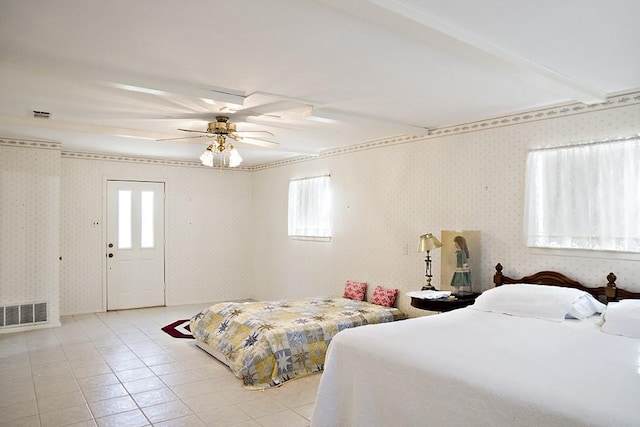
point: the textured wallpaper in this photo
(226, 235)
(208, 220)
(30, 226)
(385, 198)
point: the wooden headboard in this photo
(607, 293)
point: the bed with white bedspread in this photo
(470, 367)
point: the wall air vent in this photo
(41, 114)
(23, 314)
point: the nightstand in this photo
(445, 304)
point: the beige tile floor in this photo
(120, 369)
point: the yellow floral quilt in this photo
(269, 342)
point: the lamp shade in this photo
(207, 157)
(428, 242)
(234, 158)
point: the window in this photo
(310, 207)
(584, 197)
(124, 219)
(146, 219)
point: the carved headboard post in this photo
(611, 290)
(497, 278)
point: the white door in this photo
(135, 244)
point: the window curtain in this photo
(584, 197)
(309, 207)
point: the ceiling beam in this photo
(382, 12)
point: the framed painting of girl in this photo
(460, 266)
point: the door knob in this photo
(110, 255)
(110, 245)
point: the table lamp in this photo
(428, 242)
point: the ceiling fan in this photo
(222, 129)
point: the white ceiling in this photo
(328, 73)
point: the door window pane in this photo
(124, 219)
(146, 219)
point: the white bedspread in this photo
(472, 368)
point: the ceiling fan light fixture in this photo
(234, 158)
(224, 131)
(222, 142)
(207, 157)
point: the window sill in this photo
(586, 253)
(311, 238)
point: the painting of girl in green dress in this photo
(461, 279)
(461, 255)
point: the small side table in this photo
(444, 304)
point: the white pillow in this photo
(622, 318)
(538, 301)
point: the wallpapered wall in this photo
(30, 226)
(226, 235)
(384, 198)
(207, 231)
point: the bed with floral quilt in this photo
(266, 343)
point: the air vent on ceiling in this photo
(41, 114)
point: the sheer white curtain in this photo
(310, 207)
(584, 197)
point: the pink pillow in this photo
(384, 297)
(355, 290)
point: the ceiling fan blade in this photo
(329, 115)
(195, 131)
(136, 115)
(255, 131)
(181, 137)
(263, 103)
(190, 116)
(260, 142)
(275, 107)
